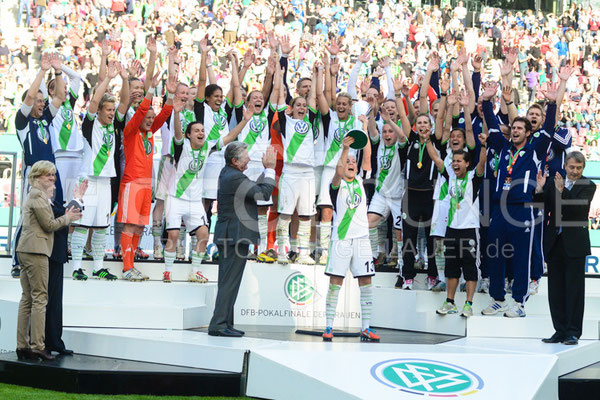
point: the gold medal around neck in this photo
(457, 206)
(419, 165)
(496, 174)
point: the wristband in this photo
(509, 103)
(170, 96)
(176, 64)
(443, 94)
(57, 73)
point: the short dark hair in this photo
(523, 120)
(460, 152)
(188, 129)
(211, 89)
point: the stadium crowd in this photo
(139, 98)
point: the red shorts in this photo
(135, 202)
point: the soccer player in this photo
(100, 161)
(512, 218)
(297, 182)
(350, 246)
(461, 241)
(135, 192)
(184, 200)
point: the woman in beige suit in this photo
(33, 250)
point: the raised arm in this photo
(327, 77)
(151, 46)
(124, 95)
(433, 65)
(366, 160)
(399, 87)
(234, 96)
(465, 102)
(564, 75)
(435, 157)
(204, 49)
(233, 134)
(274, 100)
(363, 58)
(106, 50)
(248, 61)
(35, 85)
(178, 107)
(508, 102)
(100, 90)
(341, 165)
(334, 68)
(270, 73)
(323, 105)
(468, 82)
(480, 169)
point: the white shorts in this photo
(350, 253)
(297, 192)
(326, 178)
(166, 169)
(439, 218)
(69, 169)
(382, 205)
(255, 169)
(212, 170)
(191, 212)
(318, 173)
(96, 204)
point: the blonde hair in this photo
(40, 168)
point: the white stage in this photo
(496, 357)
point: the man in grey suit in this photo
(237, 228)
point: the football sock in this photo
(325, 235)
(157, 229)
(374, 238)
(366, 304)
(331, 304)
(196, 261)
(263, 227)
(78, 240)
(283, 235)
(98, 248)
(128, 250)
(303, 237)
(169, 260)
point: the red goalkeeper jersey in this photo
(139, 145)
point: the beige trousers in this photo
(32, 308)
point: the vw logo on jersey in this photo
(301, 127)
(386, 162)
(551, 155)
(196, 165)
(220, 120)
(353, 202)
(492, 164)
(336, 135)
(257, 125)
(108, 139)
(416, 146)
(67, 114)
(148, 147)
(453, 191)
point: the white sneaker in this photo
(305, 259)
(534, 286)
(133, 275)
(447, 308)
(283, 259)
(484, 285)
(467, 311)
(158, 252)
(495, 308)
(323, 258)
(517, 310)
(408, 284)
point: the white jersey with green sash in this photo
(66, 136)
(334, 132)
(297, 137)
(256, 133)
(462, 194)
(350, 220)
(187, 181)
(99, 155)
(390, 180)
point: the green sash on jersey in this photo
(337, 144)
(104, 152)
(256, 126)
(67, 125)
(190, 174)
(350, 211)
(296, 141)
(385, 171)
(457, 198)
(187, 117)
(215, 131)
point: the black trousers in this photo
(418, 206)
(54, 308)
(566, 290)
(232, 261)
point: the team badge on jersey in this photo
(148, 147)
(551, 155)
(301, 127)
(386, 162)
(336, 135)
(353, 200)
(67, 114)
(455, 192)
(196, 165)
(257, 125)
(220, 120)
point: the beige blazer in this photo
(39, 224)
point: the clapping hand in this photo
(270, 158)
(541, 181)
(80, 189)
(559, 182)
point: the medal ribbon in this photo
(335, 144)
(513, 159)
(67, 126)
(43, 131)
(421, 152)
(353, 189)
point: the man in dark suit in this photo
(566, 245)
(237, 228)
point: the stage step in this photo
(580, 384)
(110, 376)
(415, 310)
(122, 304)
